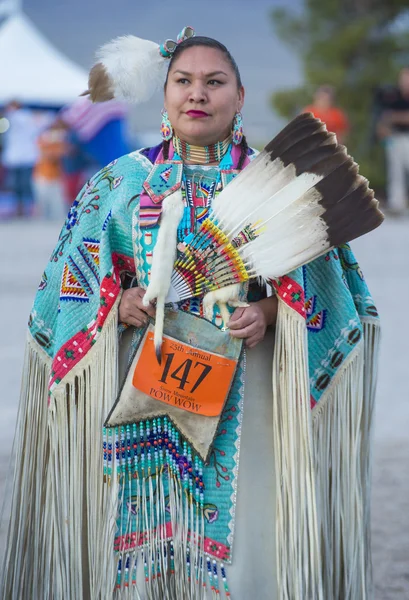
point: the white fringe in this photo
(63, 521)
(372, 339)
(342, 426)
(61, 533)
(22, 576)
(298, 555)
(323, 469)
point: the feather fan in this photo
(300, 197)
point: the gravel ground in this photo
(383, 255)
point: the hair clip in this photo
(168, 47)
(185, 34)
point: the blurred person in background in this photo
(393, 128)
(20, 154)
(99, 128)
(47, 176)
(323, 107)
(3, 192)
(77, 166)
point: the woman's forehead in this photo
(202, 60)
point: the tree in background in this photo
(355, 46)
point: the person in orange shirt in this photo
(323, 108)
(47, 176)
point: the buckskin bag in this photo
(190, 386)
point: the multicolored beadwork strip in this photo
(209, 261)
(201, 155)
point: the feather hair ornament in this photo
(130, 68)
(300, 197)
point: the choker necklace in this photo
(201, 155)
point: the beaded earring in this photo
(166, 127)
(237, 131)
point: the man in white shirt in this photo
(393, 126)
(20, 154)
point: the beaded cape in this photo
(324, 374)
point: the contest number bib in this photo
(189, 378)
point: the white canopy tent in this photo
(32, 71)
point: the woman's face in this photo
(202, 96)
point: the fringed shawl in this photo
(63, 522)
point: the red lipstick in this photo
(196, 114)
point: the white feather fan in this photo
(300, 197)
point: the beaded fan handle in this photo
(210, 260)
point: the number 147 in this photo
(182, 372)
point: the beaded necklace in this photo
(198, 190)
(201, 155)
(188, 221)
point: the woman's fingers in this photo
(135, 317)
(236, 316)
(245, 332)
(250, 315)
(249, 324)
(131, 309)
(150, 309)
(253, 341)
(140, 320)
(240, 321)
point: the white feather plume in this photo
(134, 66)
(288, 208)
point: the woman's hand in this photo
(251, 323)
(131, 309)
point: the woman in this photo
(87, 524)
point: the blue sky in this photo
(79, 27)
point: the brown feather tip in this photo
(350, 209)
(100, 85)
(305, 142)
(299, 128)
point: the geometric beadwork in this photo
(317, 322)
(166, 174)
(310, 306)
(205, 189)
(89, 251)
(93, 248)
(209, 260)
(71, 289)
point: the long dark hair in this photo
(208, 43)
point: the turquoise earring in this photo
(166, 127)
(237, 132)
